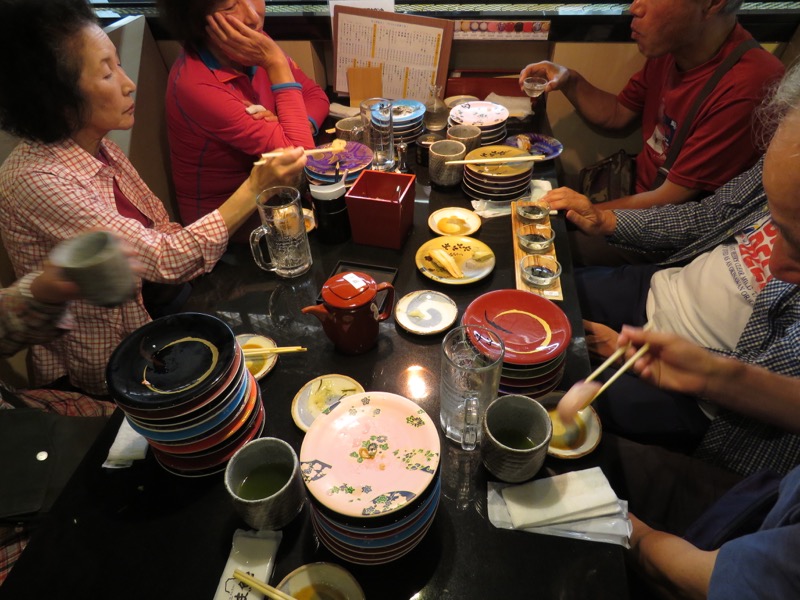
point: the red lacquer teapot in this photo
(349, 312)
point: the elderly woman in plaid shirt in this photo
(65, 177)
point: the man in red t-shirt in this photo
(684, 42)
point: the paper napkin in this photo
(128, 446)
(493, 208)
(568, 497)
(612, 529)
(341, 111)
(518, 106)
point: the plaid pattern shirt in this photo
(682, 231)
(771, 338)
(52, 192)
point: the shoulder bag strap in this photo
(712, 82)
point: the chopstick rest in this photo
(254, 553)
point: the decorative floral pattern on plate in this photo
(372, 455)
(536, 143)
(454, 259)
(479, 113)
(355, 156)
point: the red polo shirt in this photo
(213, 141)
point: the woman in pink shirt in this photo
(232, 94)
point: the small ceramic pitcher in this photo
(349, 312)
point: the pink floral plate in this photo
(371, 456)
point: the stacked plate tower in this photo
(491, 118)
(182, 383)
(371, 466)
(329, 167)
(536, 334)
(499, 182)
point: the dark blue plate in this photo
(536, 143)
(170, 361)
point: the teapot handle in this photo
(389, 299)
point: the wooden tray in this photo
(553, 292)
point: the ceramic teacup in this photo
(349, 129)
(97, 264)
(440, 152)
(469, 135)
(264, 482)
(516, 434)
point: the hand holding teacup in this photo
(99, 266)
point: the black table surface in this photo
(143, 533)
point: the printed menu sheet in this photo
(412, 51)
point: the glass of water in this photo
(376, 118)
(283, 226)
(472, 359)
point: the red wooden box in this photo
(381, 208)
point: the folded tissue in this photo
(518, 106)
(493, 208)
(128, 446)
(579, 504)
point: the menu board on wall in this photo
(413, 52)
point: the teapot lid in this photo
(348, 290)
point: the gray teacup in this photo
(349, 129)
(96, 263)
(469, 135)
(440, 152)
(275, 492)
(516, 434)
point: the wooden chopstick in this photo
(278, 350)
(628, 363)
(260, 586)
(311, 152)
(610, 360)
(495, 161)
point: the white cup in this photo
(96, 263)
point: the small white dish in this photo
(587, 420)
(454, 221)
(258, 365)
(321, 580)
(321, 395)
(425, 312)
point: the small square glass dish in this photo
(539, 271)
(535, 211)
(535, 238)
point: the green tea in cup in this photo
(263, 481)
